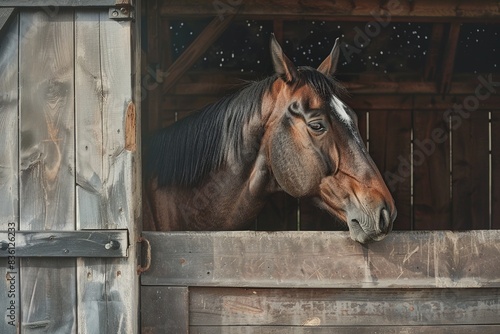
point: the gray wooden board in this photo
(5, 14)
(164, 310)
(91, 201)
(324, 259)
(470, 329)
(106, 170)
(47, 192)
(9, 190)
(343, 307)
(121, 174)
(64, 244)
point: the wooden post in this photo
(9, 190)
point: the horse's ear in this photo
(329, 65)
(282, 65)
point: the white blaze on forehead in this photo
(340, 107)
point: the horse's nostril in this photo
(384, 223)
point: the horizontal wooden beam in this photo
(52, 5)
(223, 82)
(468, 329)
(437, 259)
(88, 243)
(336, 308)
(335, 10)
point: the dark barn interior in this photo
(412, 72)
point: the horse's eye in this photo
(294, 108)
(317, 126)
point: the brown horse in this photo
(214, 169)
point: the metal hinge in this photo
(121, 13)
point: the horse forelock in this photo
(324, 86)
(185, 153)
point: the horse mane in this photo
(185, 152)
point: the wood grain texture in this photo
(66, 244)
(390, 143)
(91, 202)
(324, 259)
(121, 172)
(48, 289)
(5, 15)
(106, 169)
(431, 161)
(470, 172)
(164, 310)
(9, 166)
(418, 10)
(460, 329)
(340, 307)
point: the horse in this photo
(291, 132)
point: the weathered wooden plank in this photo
(9, 166)
(390, 143)
(164, 310)
(324, 259)
(495, 169)
(431, 171)
(47, 192)
(65, 243)
(53, 7)
(448, 61)
(470, 171)
(90, 201)
(434, 52)
(449, 329)
(5, 16)
(283, 9)
(221, 82)
(121, 171)
(184, 104)
(339, 307)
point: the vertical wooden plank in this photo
(164, 310)
(47, 192)
(90, 203)
(495, 169)
(470, 170)
(9, 191)
(390, 143)
(121, 165)
(431, 161)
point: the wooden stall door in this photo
(69, 161)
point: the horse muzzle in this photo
(365, 227)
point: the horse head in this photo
(314, 148)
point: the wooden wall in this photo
(321, 282)
(66, 116)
